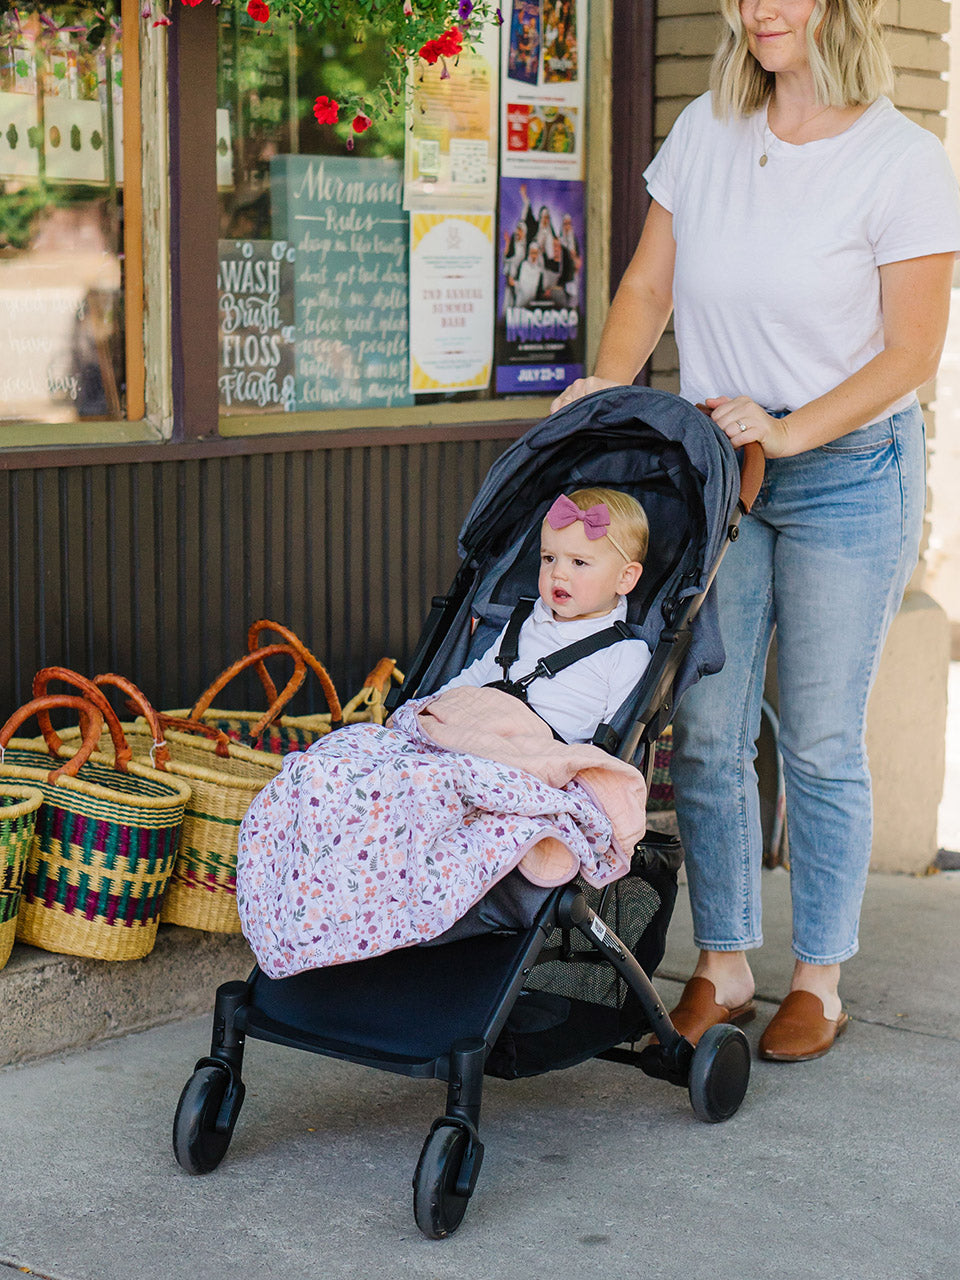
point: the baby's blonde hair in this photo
(628, 520)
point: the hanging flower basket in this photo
(424, 32)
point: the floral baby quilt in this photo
(382, 837)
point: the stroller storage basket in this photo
(574, 1004)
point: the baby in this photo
(592, 545)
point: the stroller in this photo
(574, 984)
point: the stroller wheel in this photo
(198, 1144)
(444, 1179)
(719, 1073)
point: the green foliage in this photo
(19, 214)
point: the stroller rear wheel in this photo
(445, 1177)
(201, 1134)
(719, 1073)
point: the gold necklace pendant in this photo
(763, 160)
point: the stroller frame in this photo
(479, 978)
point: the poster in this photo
(541, 293)
(543, 66)
(450, 156)
(342, 215)
(256, 333)
(451, 301)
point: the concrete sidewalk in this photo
(844, 1168)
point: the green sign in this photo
(344, 219)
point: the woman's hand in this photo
(743, 420)
(582, 387)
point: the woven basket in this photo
(223, 779)
(660, 795)
(106, 839)
(18, 818)
(269, 730)
(369, 705)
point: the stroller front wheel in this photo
(202, 1126)
(444, 1178)
(719, 1073)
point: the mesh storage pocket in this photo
(571, 967)
(574, 1004)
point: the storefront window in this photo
(61, 214)
(436, 257)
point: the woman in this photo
(805, 232)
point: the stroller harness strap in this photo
(549, 666)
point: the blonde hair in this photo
(848, 59)
(628, 520)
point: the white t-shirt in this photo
(578, 698)
(776, 285)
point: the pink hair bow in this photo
(564, 511)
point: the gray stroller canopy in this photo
(652, 444)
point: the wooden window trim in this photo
(132, 213)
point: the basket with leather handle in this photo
(106, 834)
(269, 730)
(223, 778)
(369, 705)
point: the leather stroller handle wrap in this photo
(138, 701)
(197, 726)
(314, 663)
(251, 660)
(122, 751)
(752, 469)
(751, 474)
(91, 727)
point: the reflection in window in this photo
(61, 209)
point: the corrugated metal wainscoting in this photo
(156, 569)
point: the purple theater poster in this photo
(541, 261)
(523, 57)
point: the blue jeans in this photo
(824, 558)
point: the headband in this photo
(596, 520)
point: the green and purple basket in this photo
(18, 818)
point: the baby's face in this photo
(580, 577)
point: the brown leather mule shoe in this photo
(697, 1009)
(799, 1030)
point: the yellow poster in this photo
(451, 301)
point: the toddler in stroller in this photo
(381, 837)
(574, 983)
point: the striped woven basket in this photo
(223, 779)
(18, 818)
(369, 705)
(269, 730)
(660, 796)
(105, 843)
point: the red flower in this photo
(451, 43)
(430, 52)
(258, 11)
(447, 45)
(192, 3)
(361, 123)
(162, 21)
(325, 109)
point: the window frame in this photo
(134, 427)
(172, 378)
